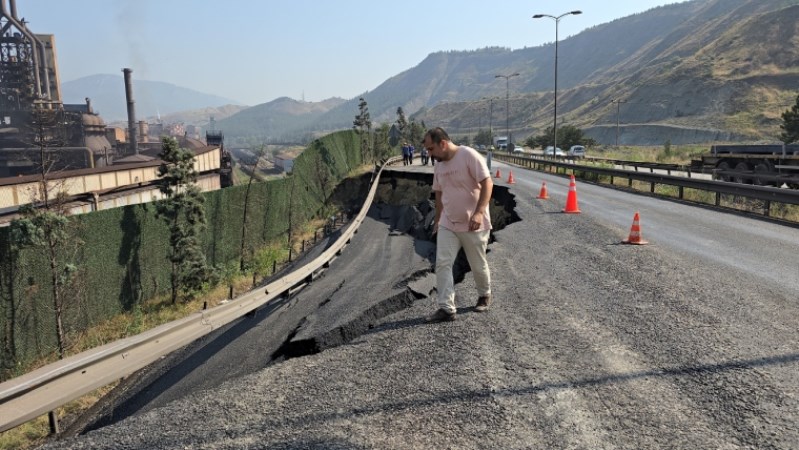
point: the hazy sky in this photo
(254, 51)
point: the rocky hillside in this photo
(696, 71)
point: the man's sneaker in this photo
(483, 303)
(442, 315)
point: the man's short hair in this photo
(437, 135)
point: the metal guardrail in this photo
(765, 193)
(40, 391)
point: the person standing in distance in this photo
(463, 187)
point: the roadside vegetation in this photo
(150, 314)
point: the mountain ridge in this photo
(717, 69)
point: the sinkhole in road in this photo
(406, 204)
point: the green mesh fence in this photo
(123, 256)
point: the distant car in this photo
(517, 148)
(557, 151)
(576, 151)
(481, 147)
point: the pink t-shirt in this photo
(458, 180)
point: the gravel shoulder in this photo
(589, 344)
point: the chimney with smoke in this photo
(132, 128)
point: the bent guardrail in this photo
(40, 391)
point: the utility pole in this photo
(507, 104)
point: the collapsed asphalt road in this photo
(589, 344)
(388, 268)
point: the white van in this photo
(576, 151)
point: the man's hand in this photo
(435, 228)
(476, 221)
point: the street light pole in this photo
(555, 121)
(507, 104)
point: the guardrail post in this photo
(718, 198)
(680, 192)
(767, 208)
(652, 188)
(289, 253)
(54, 429)
(274, 266)
(303, 245)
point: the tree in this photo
(790, 125)
(258, 155)
(182, 209)
(483, 137)
(402, 124)
(363, 125)
(44, 223)
(568, 135)
(416, 132)
(382, 142)
(49, 228)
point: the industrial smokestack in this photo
(133, 145)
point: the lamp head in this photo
(574, 13)
(538, 16)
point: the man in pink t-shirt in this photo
(463, 186)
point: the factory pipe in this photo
(43, 68)
(43, 65)
(34, 42)
(133, 146)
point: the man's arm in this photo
(486, 188)
(439, 208)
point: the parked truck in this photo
(766, 164)
(501, 142)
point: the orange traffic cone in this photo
(635, 233)
(497, 175)
(571, 199)
(510, 177)
(543, 194)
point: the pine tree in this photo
(182, 209)
(363, 124)
(402, 124)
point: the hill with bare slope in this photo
(695, 71)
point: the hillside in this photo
(696, 71)
(107, 93)
(283, 120)
(689, 72)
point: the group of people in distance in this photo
(407, 155)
